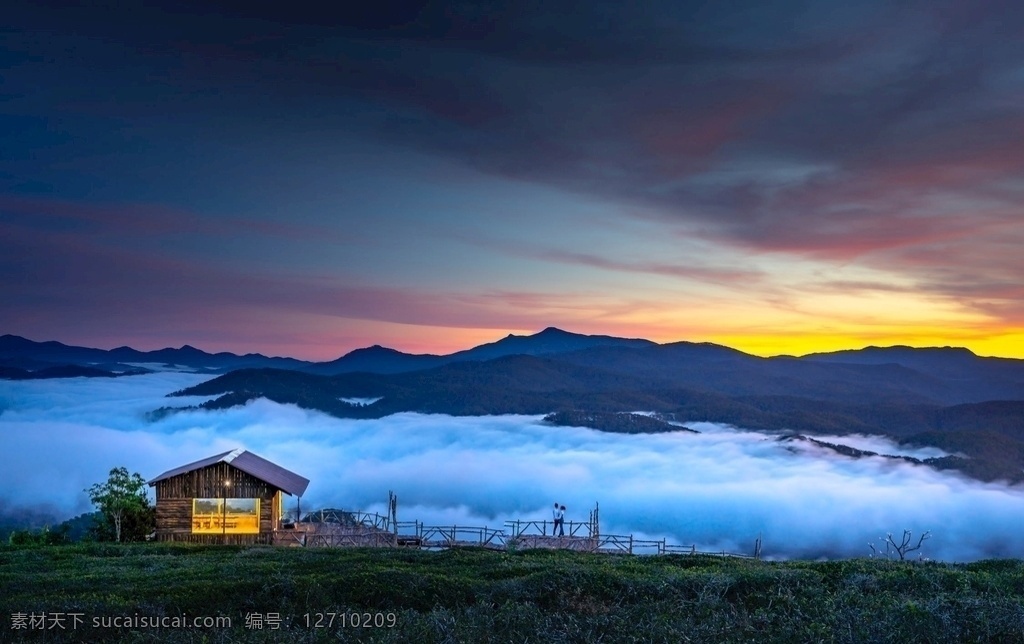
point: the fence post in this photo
(393, 510)
(630, 544)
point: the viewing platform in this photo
(341, 528)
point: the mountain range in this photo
(26, 355)
(944, 396)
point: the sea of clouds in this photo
(719, 489)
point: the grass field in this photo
(483, 596)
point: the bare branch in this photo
(904, 546)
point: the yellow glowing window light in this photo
(225, 516)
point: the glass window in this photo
(225, 516)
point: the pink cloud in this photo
(681, 136)
(66, 286)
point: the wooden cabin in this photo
(236, 497)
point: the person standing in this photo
(557, 515)
(561, 521)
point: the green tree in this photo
(42, 537)
(123, 503)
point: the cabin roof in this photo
(285, 480)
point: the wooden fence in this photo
(343, 528)
(546, 528)
(627, 544)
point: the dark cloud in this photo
(887, 134)
(613, 99)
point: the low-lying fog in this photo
(718, 489)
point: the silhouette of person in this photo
(557, 515)
(561, 521)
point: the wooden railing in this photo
(455, 536)
(349, 517)
(627, 544)
(341, 528)
(517, 528)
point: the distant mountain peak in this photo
(543, 333)
(549, 341)
(897, 349)
(907, 347)
(379, 348)
(375, 350)
(553, 330)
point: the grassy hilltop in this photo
(474, 596)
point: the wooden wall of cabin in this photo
(208, 483)
(174, 498)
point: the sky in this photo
(781, 177)
(716, 490)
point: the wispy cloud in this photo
(135, 222)
(687, 271)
